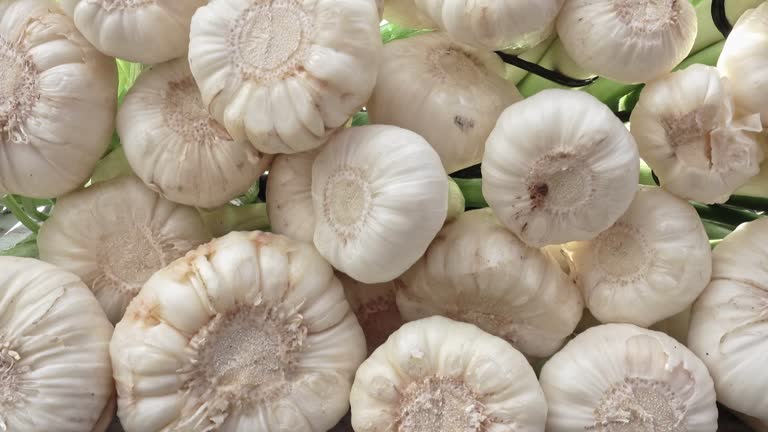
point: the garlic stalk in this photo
(405, 13)
(555, 59)
(375, 307)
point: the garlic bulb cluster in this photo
(54, 351)
(285, 74)
(729, 327)
(250, 332)
(52, 82)
(439, 375)
(619, 377)
(114, 235)
(375, 307)
(477, 271)
(289, 195)
(447, 92)
(559, 167)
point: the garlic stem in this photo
(456, 200)
(473, 192)
(11, 204)
(228, 218)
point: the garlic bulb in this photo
(289, 196)
(628, 40)
(447, 92)
(142, 31)
(439, 375)
(405, 13)
(52, 83)
(651, 264)
(175, 147)
(619, 377)
(250, 332)
(688, 130)
(114, 235)
(728, 324)
(54, 350)
(478, 272)
(375, 308)
(285, 74)
(380, 196)
(564, 179)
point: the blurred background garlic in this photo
(289, 196)
(375, 307)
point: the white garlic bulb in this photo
(405, 14)
(250, 332)
(439, 375)
(175, 147)
(142, 31)
(54, 350)
(688, 130)
(285, 74)
(52, 83)
(289, 196)
(619, 377)
(478, 272)
(375, 307)
(559, 167)
(628, 40)
(114, 235)
(729, 331)
(447, 92)
(651, 264)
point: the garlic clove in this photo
(447, 92)
(115, 235)
(559, 167)
(439, 375)
(406, 14)
(289, 196)
(375, 307)
(44, 150)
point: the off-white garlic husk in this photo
(54, 350)
(52, 84)
(651, 264)
(142, 31)
(380, 196)
(176, 148)
(619, 377)
(447, 92)
(729, 324)
(628, 40)
(114, 235)
(439, 375)
(375, 307)
(285, 74)
(250, 332)
(559, 167)
(406, 14)
(689, 131)
(289, 196)
(478, 272)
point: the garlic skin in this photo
(478, 272)
(406, 14)
(250, 332)
(629, 41)
(289, 196)
(439, 375)
(562, 180)
(52, 83)
(380, 196)
(176, 148)
(688, 130)
(114, 235)
(447, 92)
(285, 74)
(54, 351)
(133, 29)
(728, 325)
(619, 377)
(375, 307)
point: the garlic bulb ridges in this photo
(289, 196)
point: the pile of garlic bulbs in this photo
(383, 215)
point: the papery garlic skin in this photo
(439, 375)
(651, 264)
(289, 196)
(688, 130)
(406, 14)
(54, 351)
(114, 235)
(478, 272)
(380, 196)
(176, 148)
(447, 92)
(559, 167)
(141, 31)
(729, 331)
(375, 307)
(285, 74)
(250, 332)
(52, 83)
(619, 377)
(629, 41)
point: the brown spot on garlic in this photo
(463, 123)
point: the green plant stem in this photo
(717, 230)
(473, 192)
(228, 218)
(30, 208)
(11, 204)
